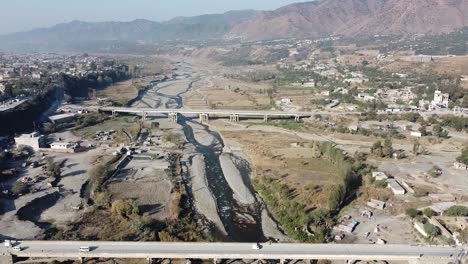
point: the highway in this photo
(70, 249)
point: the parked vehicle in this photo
(256, 246)
(84, 249)
(17, 248)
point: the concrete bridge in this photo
(204, 115)
(219, 251)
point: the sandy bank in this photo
(234, 178)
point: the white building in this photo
(62, 145)
(416, 134)
(440, 99)
(34, 140)
(460, 166)
(376, 204)
(395, 186)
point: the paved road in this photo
(70, 249)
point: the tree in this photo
(124, 208)
(428, 212)
(431, 230)
(416, 146)
(53, 169)
(412, 212)
(376, 149)
(440, 132)
(19, 188)
(102, 200)
(387, 149)
(423, 130)
(463, 158)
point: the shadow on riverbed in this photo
(33, 210)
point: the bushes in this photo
(19, 188)
(412, 212)
(431, 230)
(124, 208)
(172, 138)
(463, 158)
(290, 214)
(457, 210)
(428, 212)
(381, 184)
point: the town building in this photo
(62, 145)
(62, 118)
(460, 166)
(395, 186)
(441, 197)
(376, 204)
(440, 208)
(440, 99)
(34, 140)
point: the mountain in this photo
(78, 34)
(309, 19)
(353, 17)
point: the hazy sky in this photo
(20, 15)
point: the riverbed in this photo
(219, 183)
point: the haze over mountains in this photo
(301, 20)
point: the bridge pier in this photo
(173, 117)
(265, 118)
(203, 118)
(114, 113)
(234, 118)
(297, 118)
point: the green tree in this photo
(428, 212)
(412, 212)
(423, 130)
(102, 200)
(463, 158)
(19, 188)
(431, 230)
(416, 147)
(376, 149)
(53, 169)
(440, 132)
(457, 210)
(387, 150)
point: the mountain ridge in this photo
(311, 19)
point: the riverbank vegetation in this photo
(301, 223)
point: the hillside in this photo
(302, 20)
(351, 17)
(79, 35)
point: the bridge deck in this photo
(70, 249)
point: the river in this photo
(242, 223)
